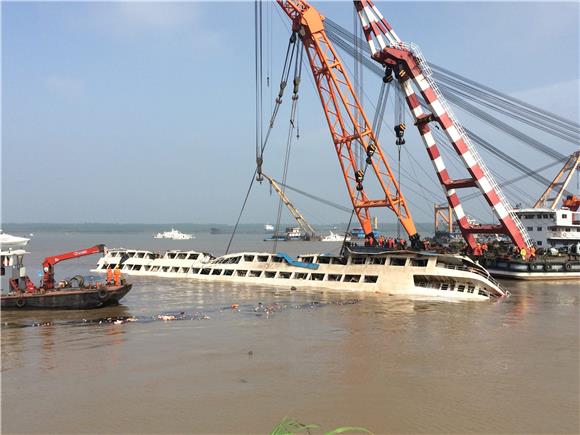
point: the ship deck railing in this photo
(469, 269)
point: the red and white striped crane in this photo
(414, 75)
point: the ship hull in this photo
(389, 272)
(534, 271)
(66, 299)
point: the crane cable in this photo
(291, 128)
(257, 175)
(337, 32)
(505, 128)
(290, 52)
(380, 108)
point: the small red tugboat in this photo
(73, 294)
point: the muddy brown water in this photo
(390, 364)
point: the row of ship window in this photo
(539, 216)
(393, 261)
(258, 273)
(425, 282)
(169, 255)
(552, 229)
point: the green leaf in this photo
(289, 427)
(348, 429)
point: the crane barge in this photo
(74, 293)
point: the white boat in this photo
(334, 237)
(8, 241)
(268, 228)
(551, 228)
(174, 235)
(409, 273)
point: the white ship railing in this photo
(470, 269)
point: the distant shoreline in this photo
(251, 228)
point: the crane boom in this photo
(306, 227)
(413, 72)
(348, 123)
(569, 167)
(49, 262)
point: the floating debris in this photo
(260, 309)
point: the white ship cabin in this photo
(551, 228)
(390, 272)
(393, 272)
(11, 267)
(139, 262)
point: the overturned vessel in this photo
(396, 272)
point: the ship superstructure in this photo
(409, 273)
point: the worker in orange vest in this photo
(117, 275)
(533, 253)
(477, 250)
(109, 275)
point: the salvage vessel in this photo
(20, 293)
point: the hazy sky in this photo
(144, 112)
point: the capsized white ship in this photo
(409, 273)
(174, 235)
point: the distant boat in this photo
(357, 233)
(334, 237)
(8, 241)
(294, 233)
(276, 237)
(174, 235)
(291, 234)
(268, 228)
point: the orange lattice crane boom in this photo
(348, 123)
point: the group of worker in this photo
(383, 242)
(480, 250)
(526, 254)
(114, 276)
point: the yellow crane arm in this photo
(569, 167)
(306, 227)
